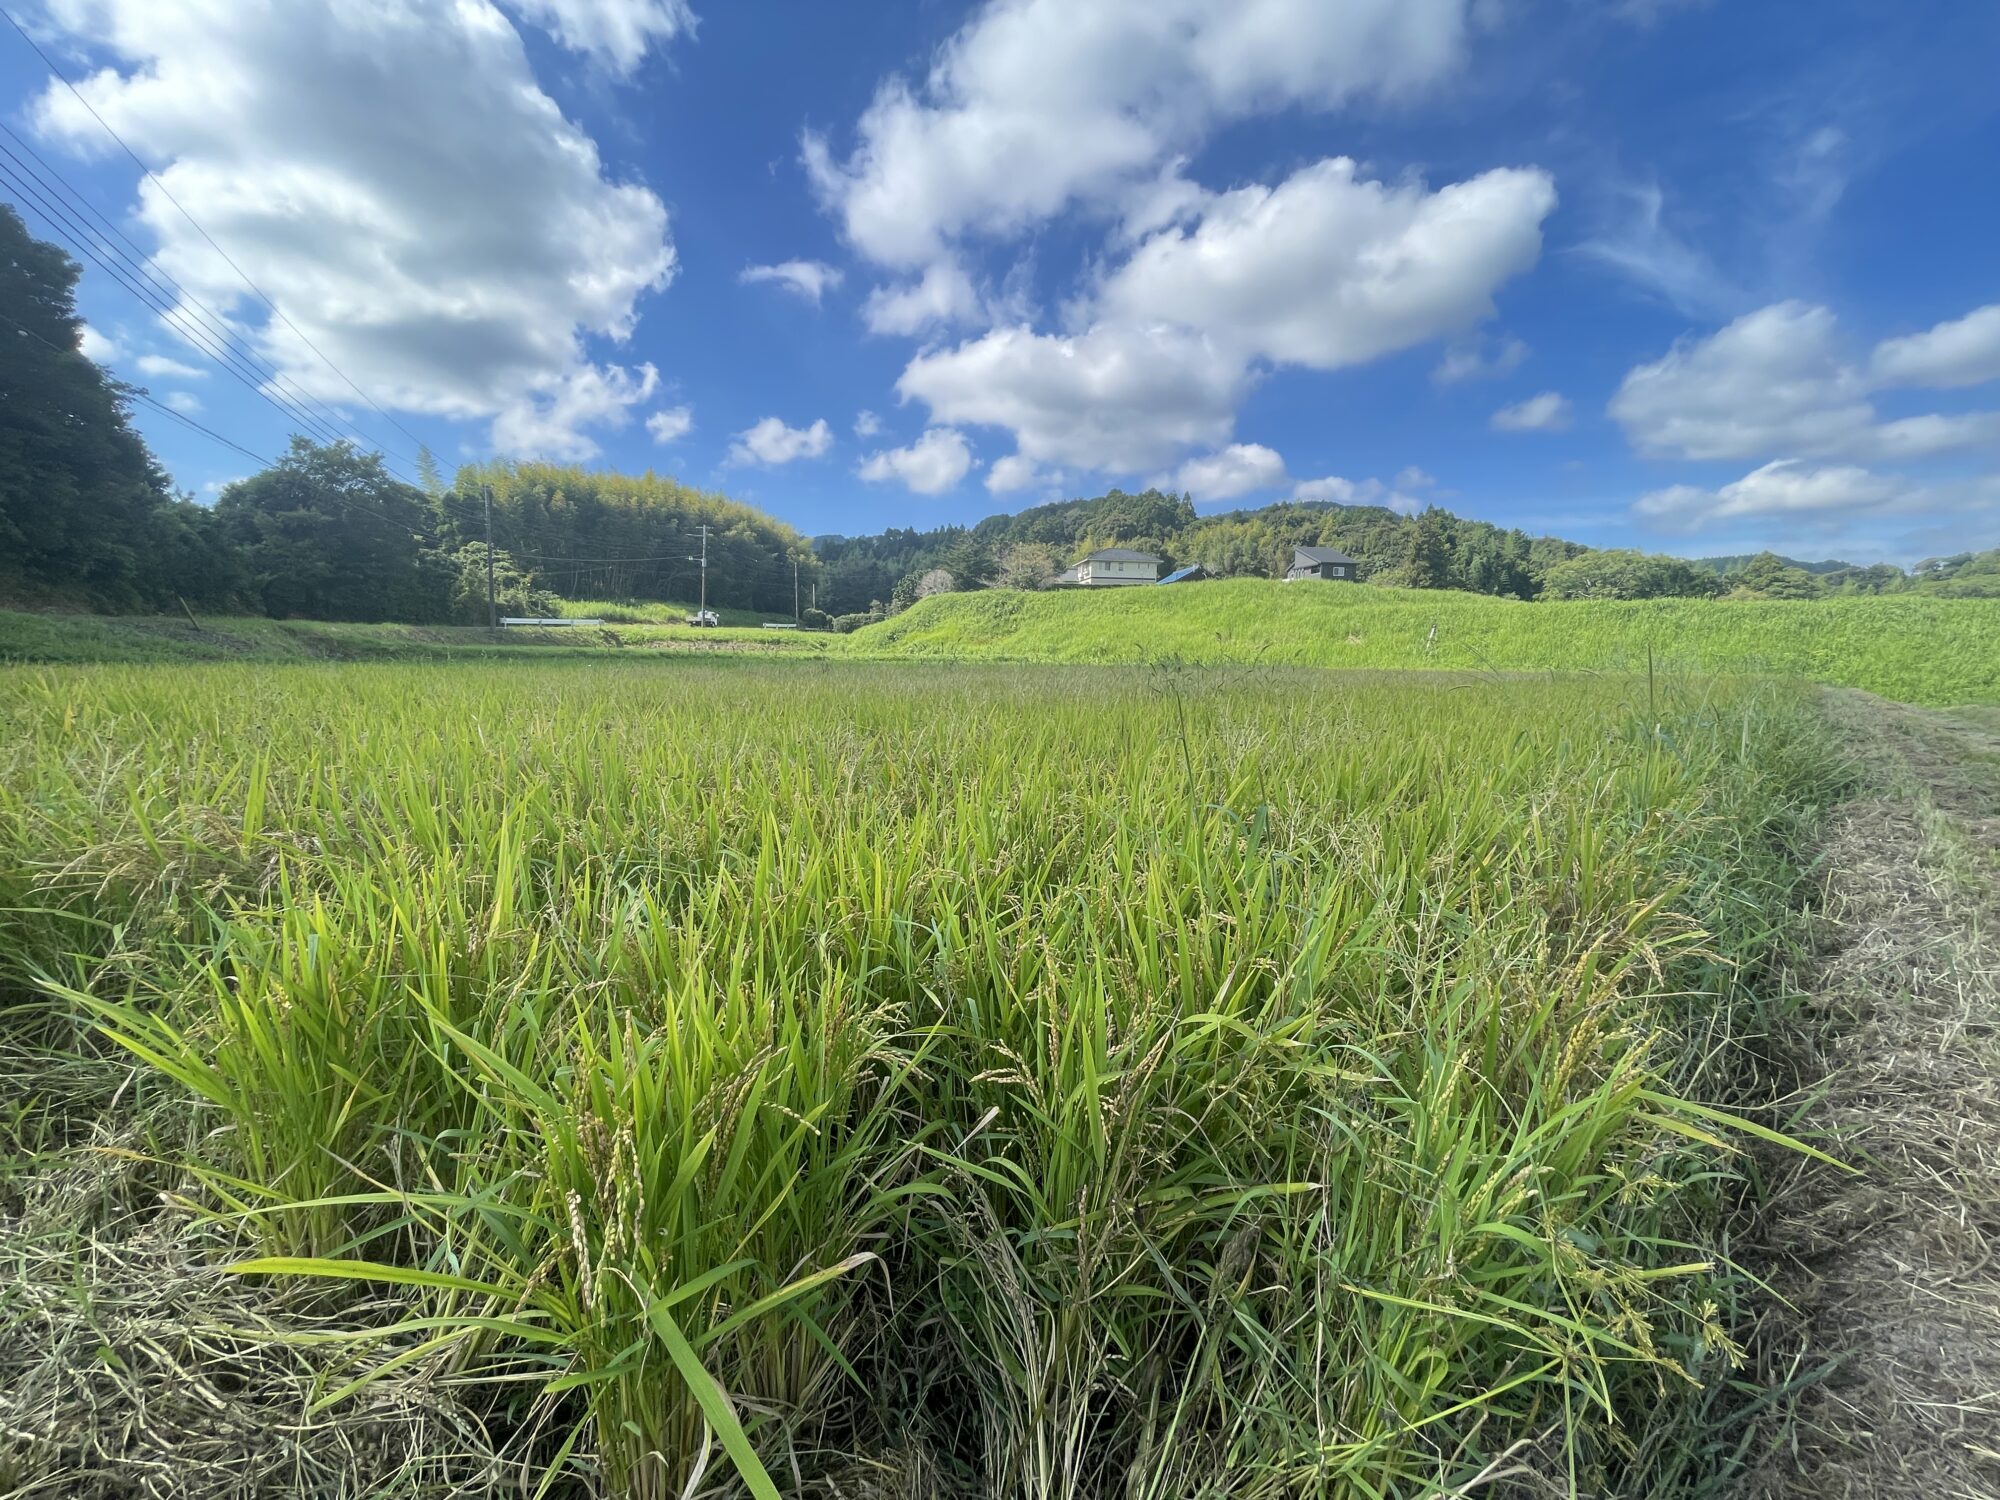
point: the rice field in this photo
(832, 1078)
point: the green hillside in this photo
(1908, 647)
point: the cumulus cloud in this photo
(670, 424)
(867, 424)
(1005, 475)
(942, 296)
(1324, 270)
(1115, 398)
(161, 368)
(1028, 110)
(549, 420)
(617, 33)
(185, 402)
(1778, 382)
(934, 463)
(1548, 412)
(392, 238)
(1965, 351)
(1475, 358)
(1236, 470)
(1785, 489)
(772, 442)
(1329, 269)
(97, 346)
(806, 279)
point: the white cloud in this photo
(934, 463)
(392, 237)
(670, 424)
(1329, 269)
(1548, 412)
(1236, 470)
(1111, 398)
(1033, 105)
(184, 402)
(807, 279)
(1468, 359)
(97, 346)
(1785, 489)
(1636, 241)
(1778, 382)
(867, 424)
(1965, 351)
(1324, 270)
(772, 442)
(617, 33)
(1414, 478)
(941, 297)
(162, 368)
(1011, 473)
(549, 421)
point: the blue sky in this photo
(1691, 277)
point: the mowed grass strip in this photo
(1911, 648)
(1023, 1082)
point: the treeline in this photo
(87, 517)
(1027, 550)
(1433, 549)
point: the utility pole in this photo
(492, 610)
(704, 570)
(795, 589)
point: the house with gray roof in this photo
(1320, 562)
(1115, 565)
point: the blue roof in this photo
(1180, 574)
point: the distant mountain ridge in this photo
(1736, 562)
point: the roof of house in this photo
(1120, 554)
(1320, 555)
(1180, 575)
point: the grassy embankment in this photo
(1913, 649)
(168, 638)
(1028, 1083)
(1922, 650)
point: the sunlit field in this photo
(903, 1079)
(1913, 648)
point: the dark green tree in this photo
(1430, 564)
(327, 533)
(79, 491)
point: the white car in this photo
(703, 617)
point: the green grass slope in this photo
(47, 638)
(1915, 649)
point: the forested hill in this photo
(1431, 549)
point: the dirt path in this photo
(1894, 1270)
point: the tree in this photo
(328, 534)
(1769, 576)
(1430, 564)
(514, 592)
(79, 492)
(936, 581)
(1620, 574)
(1027, 565)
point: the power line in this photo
(66, 229)
(188, 308)
(167, 193)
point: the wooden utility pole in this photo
(795, 589)
(704, 570)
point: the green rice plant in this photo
(1053, 1082)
